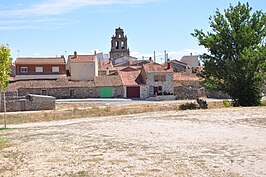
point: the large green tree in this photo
(236, 58)
(5, 63)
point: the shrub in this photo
(202, 104)
(263, 103)
(226, 103)
(189, 106)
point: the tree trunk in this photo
(0, 99)
(4, 109)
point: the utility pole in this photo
(165, 56)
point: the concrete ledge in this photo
(161, 98)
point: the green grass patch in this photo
(3, 143)
(3, 129)
(263, 103)
(226, 103)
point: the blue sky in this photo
(39, 28)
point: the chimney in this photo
(107, 71)
(75, 54)
(168, 65)
(190, 54)
(62, 56)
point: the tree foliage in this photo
(5, 63)
(5, 70)
(236, 58)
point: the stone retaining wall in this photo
(28, 103)
(67, 93)
(189, 90)
(161, 98)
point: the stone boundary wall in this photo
(68, 93)
(189, 90)
(28, 103)
(161, 98)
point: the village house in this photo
(100, 87)
(178, 66)
(82, 67)
(132, 83)
(40, 68)
(158, 79)
(187, 86)
(192, 61)
(150, 80)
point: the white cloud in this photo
(57, 7)
(16, 27)
(23, 21)
(47, 23)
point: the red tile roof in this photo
(155, 67)
(105, 66)
(33, 61)
(186, 77)
(60, 83)
(108, 81)
(101, 81)
(129, 78)
(178, 62)
(82, 58)
(139, 62)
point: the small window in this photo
(24, 69)
(156, 78)
(38, 69)
(160, 88)
(72, 93)
(44, 92)
(55, 69)
(163, 78)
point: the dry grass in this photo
(73, 111)
(69, 111)
(63, 106)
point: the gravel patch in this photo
(227, 142)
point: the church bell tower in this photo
(119, 47)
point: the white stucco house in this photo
(82, 67)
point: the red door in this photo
(155, 90)
(133, 92)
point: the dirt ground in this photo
(228, 142)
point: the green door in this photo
(106, 92)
